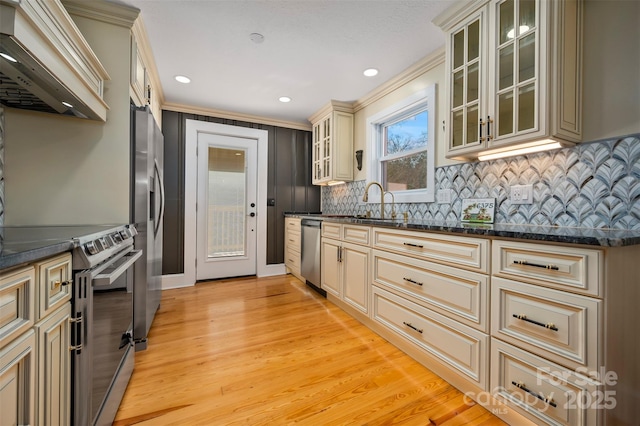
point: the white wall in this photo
(64, 170)
(611, 69)
(435, 76)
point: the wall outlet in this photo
(443, 196)
(521, 194)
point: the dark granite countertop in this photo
(588, 236)
(24, 244)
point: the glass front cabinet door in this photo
(332, 150)
(513, 73)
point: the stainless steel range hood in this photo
(45, 63)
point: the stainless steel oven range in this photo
(102, 323)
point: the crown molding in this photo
(209, 112)
(108, 12)
(456, 13)
(414, 71)
(332, 105)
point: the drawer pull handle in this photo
(411, 281)
(537, 265)
(549, 325)
(57, 284)
(413, 245)
(408, 324)
(546, 399)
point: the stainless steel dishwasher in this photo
(310, 253)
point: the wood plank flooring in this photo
(270, 351)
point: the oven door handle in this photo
(108, 278)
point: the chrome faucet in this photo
(365, 197)
(393, 203)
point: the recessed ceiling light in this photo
(8, 57)
(183, 79)
(370, 72)
(67, 104)
(284, 99)
(257, 38)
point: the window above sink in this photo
(402, 141)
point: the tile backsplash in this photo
(592, 185)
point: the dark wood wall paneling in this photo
(288, 182)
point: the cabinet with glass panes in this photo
(513, 74)
(332, 147)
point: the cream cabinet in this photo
(547, 331)
(332, 144)
(292, 241)
(537, 332)
(35, 362)
(345, 264)
(17, 299)
(432, 292)
(18, 380)
(145, 85)
(513, 74)
(54, 368)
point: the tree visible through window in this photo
(404, 160)
(402, 141)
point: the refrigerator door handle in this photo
(158, 220)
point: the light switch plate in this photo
(521, 194)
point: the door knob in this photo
(253, 204)
(252, 214)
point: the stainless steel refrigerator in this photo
(147, 215)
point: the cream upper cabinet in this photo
(513, 74)
(145, 88)
(332, 152)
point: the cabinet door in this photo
(517, 91)
(355, 275)
(466, 69)
(331, 267)
(54, 368)
(18, 381)
(322, 149)
(341, 149)
(316, 153)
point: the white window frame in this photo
(417, 101)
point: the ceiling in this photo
(313, 50)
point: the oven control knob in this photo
(116, 238)
(91, 247)
(132, 230)
(124, 235)
(106, 242)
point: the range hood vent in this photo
(45, 63)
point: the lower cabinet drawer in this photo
(293, 239)
(54, 284)
(544, 391)
(459, 294)
(460, 347)
(292, 259)
(465, 252)
(17, 303)
(558, 325)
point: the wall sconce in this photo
(359, 159)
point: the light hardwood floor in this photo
(270, 351)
